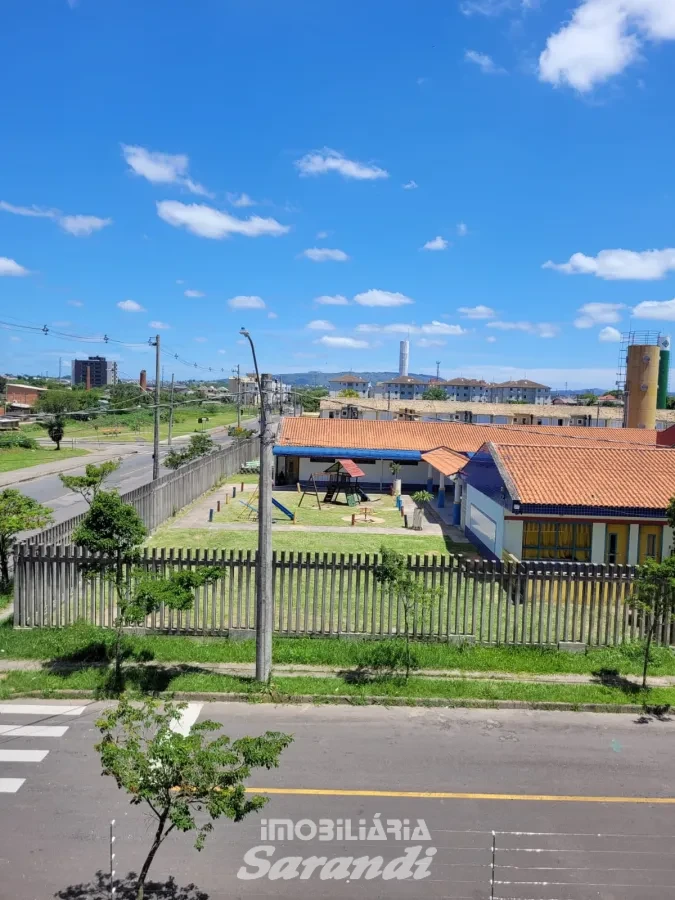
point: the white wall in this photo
(598, 540)
(667, 548)
(374, 471)
(513, 537)
(491, 509)
(633, 545)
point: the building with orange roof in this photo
(430, 454)
(598, 503)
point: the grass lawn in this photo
(307, 541)
(382, 507)
(149, 679)
(91, 644)
(19, 458)
(6, 598)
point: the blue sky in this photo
(493, 176)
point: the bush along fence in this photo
(158, 500)
(337, 595)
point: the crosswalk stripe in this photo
(188, 717)
(34, 730)
(22, 755)
(28, 709)
(10, 785)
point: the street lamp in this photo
(264, 623)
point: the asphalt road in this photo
(572, 799)
(135, 470)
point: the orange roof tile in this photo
(305, 431)
(447, 462)
(609, 476)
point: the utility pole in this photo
(170, 413)
(438, 370)
(59, 368)
(238, 396)
(155, 443)
(264, 623)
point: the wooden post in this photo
(218, 506)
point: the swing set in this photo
(343, 476)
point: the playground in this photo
(291, 507)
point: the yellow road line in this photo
(452, 795)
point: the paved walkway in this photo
(247, 670)
(9, 479)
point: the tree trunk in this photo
(652, 626)
(58, 446)
(140, 883)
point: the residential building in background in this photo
(244, 389)
(101, 371)
(467, 389)
(403, 387)
(22, 397)
(348, 382)
(522, 391)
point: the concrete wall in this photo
(598, 540)
(513, 537)
(375, 471)
(667, 548)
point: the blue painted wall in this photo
(482, 473)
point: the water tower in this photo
(403, 357)
(643, 376)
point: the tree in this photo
(17, 513)
(653, 594)
(178, 777)
(422, 497)
(199, 445)
(434, 393)
(349, 392)
(392, 572)
(89, 484)
(55, 430)
(310, 397)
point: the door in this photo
(651, 538)
(616, 545)
(292, 469)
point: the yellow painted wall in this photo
(622, 532)
(645, 531)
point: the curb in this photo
(345, 700)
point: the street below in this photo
(581, 805)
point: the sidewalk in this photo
(247, 670)
(9, 479)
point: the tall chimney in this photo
(87, 381)
(403, 356)
(144, 380)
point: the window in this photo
(566, 541)
(483, 527)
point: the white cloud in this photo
(160, 326)
(192, 293)
(180, 281)
(603, 38)
(410, 185)
(130, 306)
(75, 303)
(240, 200)
(434, 327)
(540, 329)
(321, 235)
(655, 309)
(222, 352)
(345, 343)
(494, 7)
(12, 268)
(161, 168)
(477, 312)
(462, 229)
(272, 315)
(323, 254)
(620, 265)
(438, 243)
(37, 212)
(77, 225)
(321, 325)
(205, 221)
(382, 298)
(430, 342)
(201, 340)
(591, 314)
(83, 226)
(244, 302)
(15, 339)
(491, 339)
(335, 300)
(609, 335)
(319, 162)
(484, 62)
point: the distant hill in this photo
(321, 379)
